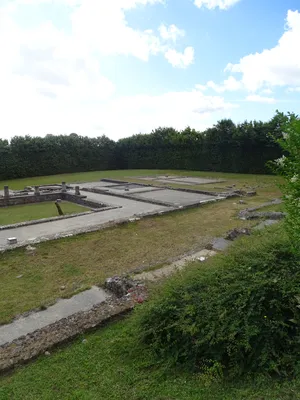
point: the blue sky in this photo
(120, 67)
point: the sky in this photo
(122, 67)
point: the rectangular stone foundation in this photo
(32, 199)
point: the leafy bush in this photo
(289, 167)
(240, 310)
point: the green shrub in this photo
(288, 166)
(239, 310)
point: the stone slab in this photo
(62, 309)
(155, 177)
(174, 197)
(132, 190)
(127, 186)
(221, 244)
(98, 184)
(188, 180)
(266, 223)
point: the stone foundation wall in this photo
(29, 199)
(31, 345)
(32, 199)
(81, 200)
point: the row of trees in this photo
(226, 147)
(34, 156)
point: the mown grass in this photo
(108, 366)
(85, 260)
(29, 212)
(230, 178)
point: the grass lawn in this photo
(265, 180)
(29, 212)
(108, 367)
(81, 261)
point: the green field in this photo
(82, 261)
(30, 212)
(108, 366)
(230, 178)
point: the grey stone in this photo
(266, 223)
(77, 191)
(220, 244)
(30, 249)
(119, 286)
(251, 193)
(268, 215)
(6, 191)
(12, 240)
(236, 232)
(63, 187)
(36, 191)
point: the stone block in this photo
(6, 191)
(12, 240)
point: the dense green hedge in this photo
(225, 147)
(240, 311)
(34, 156)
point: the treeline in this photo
(226, 147)
(36, 156)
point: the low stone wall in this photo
(123, 295)
(81, 200)
(29, 199)
(32, 199)
(31, 345)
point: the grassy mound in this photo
(239, 311)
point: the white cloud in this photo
(202, 88)
(116, 117)
(267, 91)
(256, 98)
(171, 32)
(230, 84)
(294, 89)
(178, 109)
(278, 66)
(51, 80)
(211, 4)
(180, 60)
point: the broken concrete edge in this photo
(109, 224)
(34, 344)
(267, 204)
(125, 293)
(58, 218)
(272, 215)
